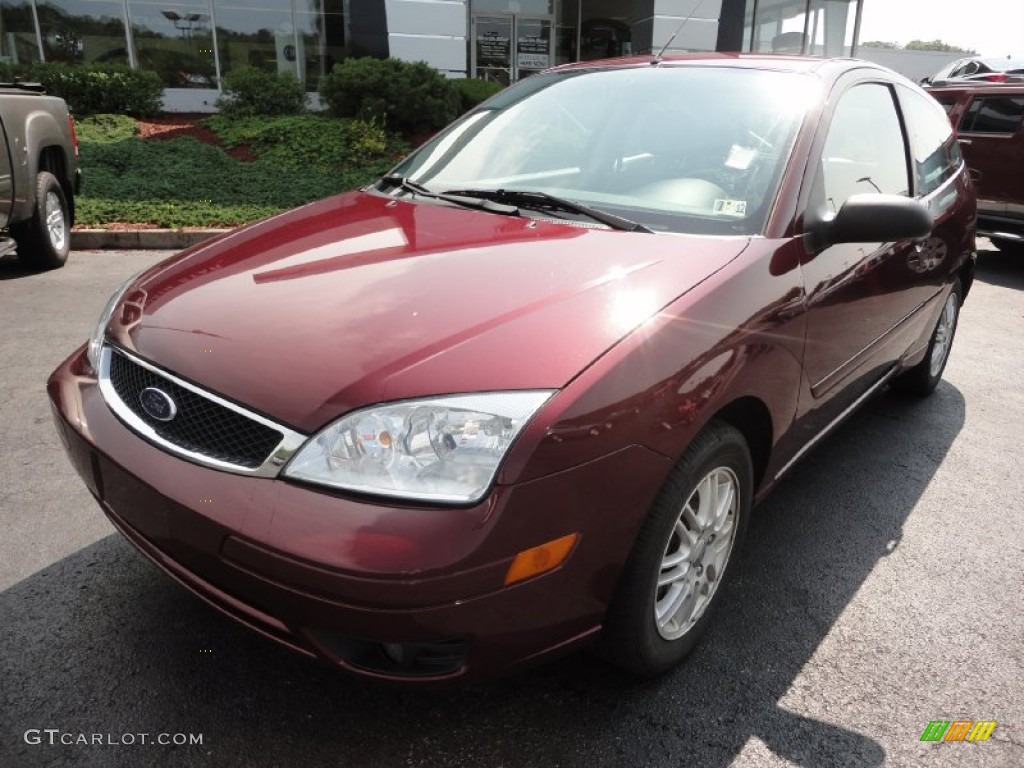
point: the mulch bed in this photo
(183, 125)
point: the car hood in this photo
(360, 299)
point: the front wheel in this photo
(923, 378)
(44, 241)
(681, 557)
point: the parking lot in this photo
(881, 588)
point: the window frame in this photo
(805, 212)
(960, 166)
(908, 160)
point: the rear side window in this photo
(934, 149)
(994, 114)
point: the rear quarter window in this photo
(935, 151)
(994, 114)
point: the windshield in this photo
(677, 149)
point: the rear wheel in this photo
(44, 241)
(923, 378)
(681, 557)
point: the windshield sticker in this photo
(740, 158)
(731, 207)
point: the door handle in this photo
(966, 142)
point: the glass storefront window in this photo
(256, 37)
(567, 31)
(606, 30)
(321, 44)
(18, 44)
(522, 7)
(82, 31)
(176, 42)
(832, 25)
(818, 27)
(779, 26)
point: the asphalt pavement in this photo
(881, 588)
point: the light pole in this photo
(183, 23)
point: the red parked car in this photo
(523, 392)
(989, 121)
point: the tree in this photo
(938, 45)
(920, 45)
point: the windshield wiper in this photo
(542, 201)
(466, 201)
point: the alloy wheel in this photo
(696, 553)
(943, 340)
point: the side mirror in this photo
(871, 218)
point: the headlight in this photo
(441, 449)
(99, 332)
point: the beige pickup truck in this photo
(39, 175)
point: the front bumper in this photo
(345, 579)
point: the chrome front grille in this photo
(205, 428)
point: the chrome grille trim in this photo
(279, 456)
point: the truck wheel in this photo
(45, 240)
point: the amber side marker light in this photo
(541, 558)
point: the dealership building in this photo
(190, 44)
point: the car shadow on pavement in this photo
(11, 268)
(1001, 268)
(101, 642)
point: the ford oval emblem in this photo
(158, 404)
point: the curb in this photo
(139, 239)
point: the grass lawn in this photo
(277, 163)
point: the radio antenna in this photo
(657, 58)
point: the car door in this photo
(858, 294)
(992, 133)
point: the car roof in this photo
(825, 68)
(987, 89)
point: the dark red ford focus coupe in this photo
(524, 391)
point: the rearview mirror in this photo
(872, 218)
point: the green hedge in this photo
(398, 95)
(249, 92)
(91, 89)
(180, 182)
(474, 91)
(315, 142)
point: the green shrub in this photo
(249, 92)
(474, 91)
(367, 138)
(180, 182)
(317, 142)
(105, 128)
(399, 95)
(91, 89)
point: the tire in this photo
(923, 378)
(44, 241)
(642, 633)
